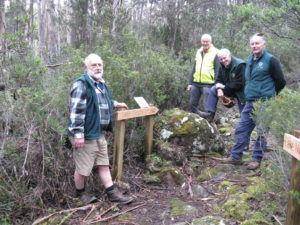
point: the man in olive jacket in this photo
(229, 83)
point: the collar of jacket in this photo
(209, 50)
(92, 79)
(260, 55)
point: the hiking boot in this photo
(233, 161)
(87, 198)
(116, 196)
(253, 165)
(209, 116)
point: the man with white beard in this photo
(90, 116)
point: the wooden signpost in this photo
(292, 146)
(121, 117)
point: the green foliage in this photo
(279, 115)
(295, 195)
(132, 69)
(4, 220)
(277, 19)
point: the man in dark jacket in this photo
(263, 80)
(229, 83)
(90, 116)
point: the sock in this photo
(79, 191)
(112, 187)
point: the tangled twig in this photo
(99, 219)
(83, 208)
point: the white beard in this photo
(96, 76)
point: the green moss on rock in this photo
(180, 208)
(208, 220)
(224, 130)
(207, 174)
(153, 163)
(171, 172)
(257, 218)
(223, 186)
(236, 206)
(152, 179)
(226, 125)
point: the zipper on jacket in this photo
(201, 66)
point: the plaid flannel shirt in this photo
(78, 104)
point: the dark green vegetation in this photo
(148, 49)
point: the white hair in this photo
(206, 36)
(92, 58)
(224, 51)
(260, 36)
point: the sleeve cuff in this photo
(115, 103)
(79, 135)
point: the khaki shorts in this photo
(93, 153)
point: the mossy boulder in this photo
(185, 132)
(162, 172)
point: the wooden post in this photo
(149, 135)
(118, 150)
(121, 116)
(293, 208)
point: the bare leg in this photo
(105, 176)
(79, 181)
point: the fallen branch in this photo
(59, 64)
(107, 210)
(92, 209)
(141, 186)
(207, 156)
(115, 215)
(277, 220)
(83, 208)
(123, 222)
(24, 171)
(190, 191)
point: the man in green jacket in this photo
(263, 80)
(90, 116)
(229, 83)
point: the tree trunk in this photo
(116, 5)
(52, 34)
(2, 26)
(42, 28)
(30, 22)
(79, 22)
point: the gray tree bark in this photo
(42, 27)
(2, 25)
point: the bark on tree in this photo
(42, 27)
(116, 5)
(79, 33)
(30, 21)
(52, 34)
(2, 25)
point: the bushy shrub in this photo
(280, 113)
(279, 116)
